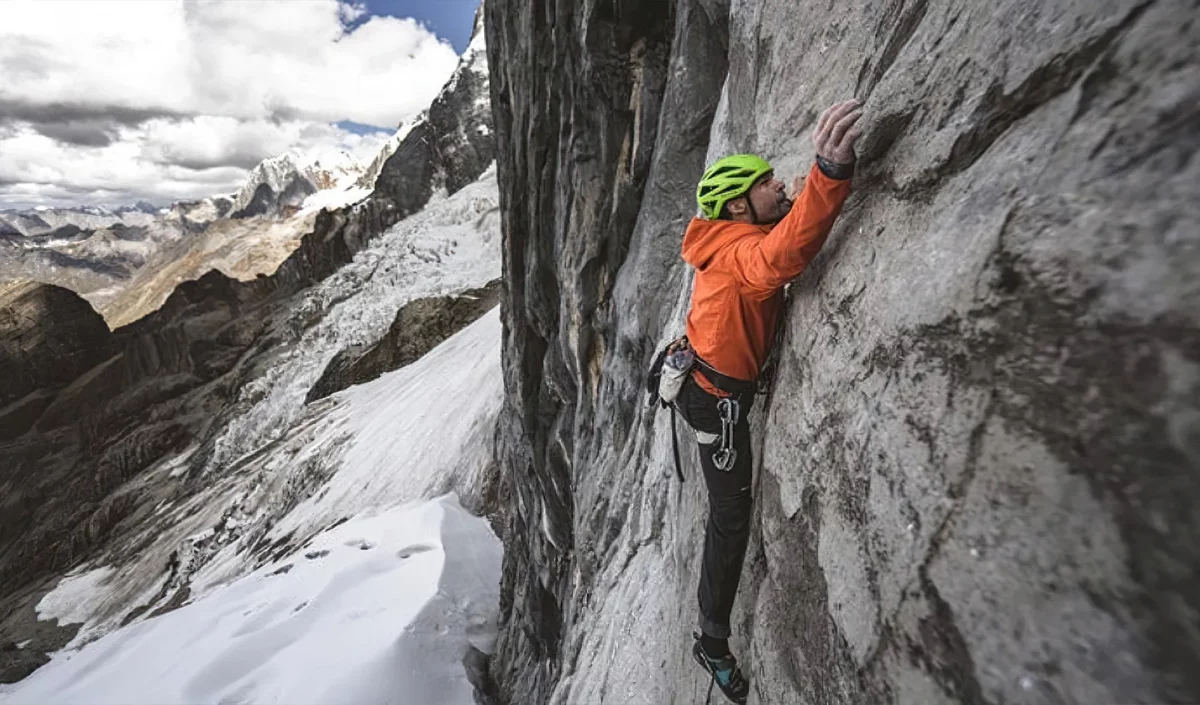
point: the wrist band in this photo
(835, 170)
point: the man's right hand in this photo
(797, 187)
(837, 130)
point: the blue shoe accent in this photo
(724, 672)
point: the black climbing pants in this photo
(730, 500)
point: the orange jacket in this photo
(741, 270)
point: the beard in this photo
(783, 206)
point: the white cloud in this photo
(117, 96)
(163, 160)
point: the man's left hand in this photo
(837, 130)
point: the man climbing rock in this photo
(752, 240)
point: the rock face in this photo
(371, 171)
(452, 143)
(275, 185)
(192, 216)
(265, 201)
(978, 461)
(48, 337)
(419, 327)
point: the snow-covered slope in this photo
(387, 600)
(280, 472)
(377, 610)
(452, 245)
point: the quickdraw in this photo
(726, 455)
(671, 368)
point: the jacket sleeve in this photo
(764, 264)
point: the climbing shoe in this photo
(724, 672)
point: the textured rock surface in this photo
(48, 337)
(266, 201)
(275, 184)
(450, 145)
(978, 463)
(41, 638)
(419, 327)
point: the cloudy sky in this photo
(112, 101)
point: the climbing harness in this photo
(670, 370)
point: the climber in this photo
(752, 240)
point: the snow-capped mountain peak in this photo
(285, 182)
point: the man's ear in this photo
(737, 206)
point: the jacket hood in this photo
(705, 238)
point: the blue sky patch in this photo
(360, 129)
(449, 19)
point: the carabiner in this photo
(729, 410)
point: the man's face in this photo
(770, 200)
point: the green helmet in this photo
(726, 180)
